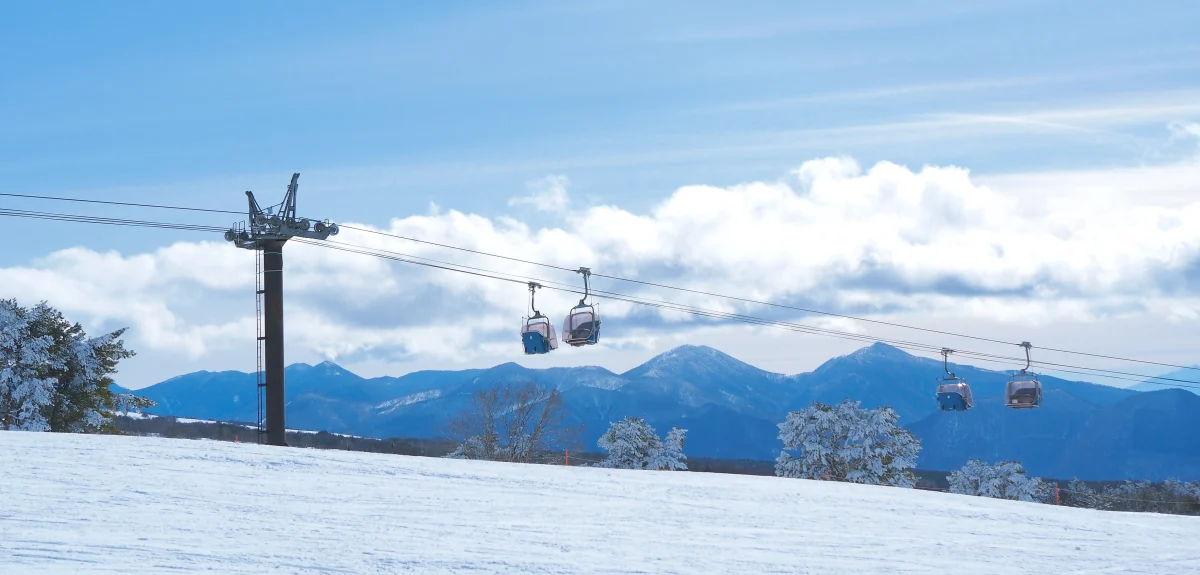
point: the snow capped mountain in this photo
(873, 352)
(695, 361)
(700, 375)
(732, 408)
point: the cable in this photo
(468, 250)
(107, 221)
(606, 276)
(609, 295)
(759, 302)
(629, 280)
(61, 199)
(912, 346)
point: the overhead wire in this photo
(128, 204)
(765, 303)
(6, 212)
(461, 249)
(609, 295)
(812, 330)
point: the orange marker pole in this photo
(1056, 493)
(567, 461)
(235, 439)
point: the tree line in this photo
(843, 442)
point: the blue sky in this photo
(387, 107)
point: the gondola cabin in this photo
(1023, 391)
(582, 326)
(955, 395)
(538, 336)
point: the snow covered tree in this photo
(1079, 494)
(1170, 496)
(521, 423)
(53, 377)
(845, 442)
(632, 443)
(1004, 480)
(670, 456)
(24, 357)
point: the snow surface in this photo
(105, 504)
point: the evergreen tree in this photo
(1004, 480)
(1079, 494)
(670, 456)
(631, 443)
(55, 378)
(845, 442)
(24, 357)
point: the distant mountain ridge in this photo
(1185, 379)
(732, 409)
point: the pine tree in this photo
(1079, 494)
(845, 442)
(631, 443)
(670, 455)
(24, 394)
(1004, 480)
(53, 377)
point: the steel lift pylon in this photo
(267, 231)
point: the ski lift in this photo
(537, 335)
(582, 326)
(953, 393)
(1023, 391)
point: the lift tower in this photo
(268, 230)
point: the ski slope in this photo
(103, 504)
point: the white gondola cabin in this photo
(582, 326)
(537, 333)
(953, 393)
(1023, 390)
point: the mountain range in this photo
(1187, 379)
(731, 408)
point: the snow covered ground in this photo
(95, 504)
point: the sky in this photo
(1021, 170)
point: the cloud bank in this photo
(884, 240)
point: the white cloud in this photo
(1186, 131)
(548, 194)
(920, 245)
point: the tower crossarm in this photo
(266, 224)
